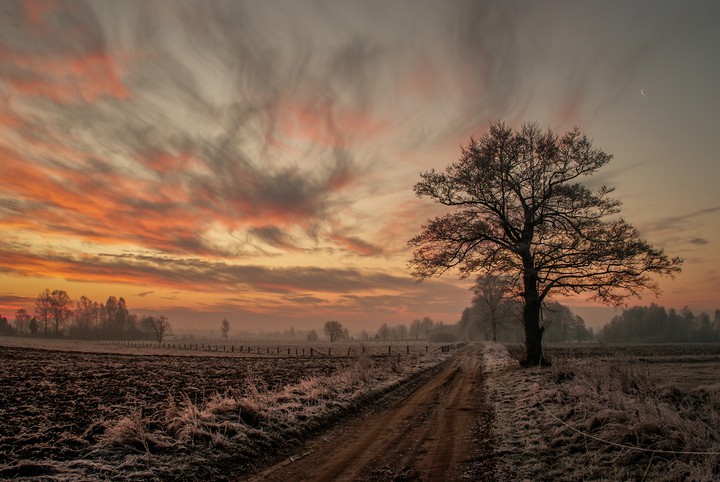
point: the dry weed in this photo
(614, 403)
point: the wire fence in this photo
(295, 350)
(636, 448)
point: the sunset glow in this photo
(255, 160)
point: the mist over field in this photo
(338, 240)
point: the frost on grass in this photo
(600, 419)
(193, 431)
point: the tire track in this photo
(438, 432)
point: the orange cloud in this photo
(106, 207)
(66, 80)
(325, 124)
(36, 9)
(356, 245)
(164, 162)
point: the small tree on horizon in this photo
(520, 210)
(225, 328)
(383, 331)
(492, 295)
(333, 330)
(42, 310)
(60, 309)
(33, 326)
(22, 320)
(159, 325)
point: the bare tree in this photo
(159, 325)
(5, 326)
(333, 329)
(492, 295)
(87, 316)
(42, 309)
(416, 328)
(427, 324)
(33, 326)
(22, 320)
(519, 209)
(61, 309)
(312, 335)
(384, 331)
(225, 328)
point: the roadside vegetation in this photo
(618, 414)
(110, 416)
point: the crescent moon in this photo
(642, 92)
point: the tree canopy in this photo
(519, 209)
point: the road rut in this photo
(440, 432)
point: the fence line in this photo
(354, 350)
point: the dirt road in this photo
(439, 432)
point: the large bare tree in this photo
(519, 208)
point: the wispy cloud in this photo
(699, 241)
(357, 245)
(231, 144)
(145, 153)
(197, 274)
(679, 223)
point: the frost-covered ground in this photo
(599, 413)
(72, 415)
(607, 414)
(244, 348)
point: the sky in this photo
(256, 160)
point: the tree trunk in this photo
(531, 318)
(533, 334)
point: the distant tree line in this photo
(495, 314)
(57, 315)
(419, 329)
(560, 323)
(655, 324)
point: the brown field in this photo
(72, 410)
(78, 411)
